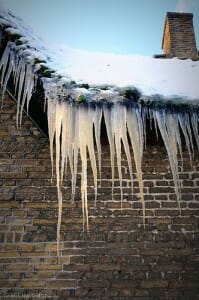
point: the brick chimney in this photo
(178, 36)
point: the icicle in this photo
(124, 139)
(110, 134)
(92, 119)
(58, 126)
(51, 128)
(31, 79)
(29, 83)
(74, 147)
(118, 121)
(143, 114)
(16, 71)
(173, 129)
(8, 72)
(97, 125)
(21, 77)
(72, 127)
(64, 140)
(186, 129)
(153, 116)
(82, 138)
(194, 122)
(115, 122)
(22, 73)
(4, 64)
(136, 134)
(168, 132)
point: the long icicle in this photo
(118, 118)
(169, 138)
(110, 135)
(58, 125)
(135, 129)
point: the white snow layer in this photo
(72, 125)
(167, 77)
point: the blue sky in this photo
(118, 26)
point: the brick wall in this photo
(179, 37)
(118, 258)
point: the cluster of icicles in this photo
(76, 128)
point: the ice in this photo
(21, 76)
(97, 126)
(194, 122)
(118, 124)
(92, 120)
(136, 134)
(58, 126)
(3, 65)
(185, 125)
(24, 77)
(73, 147)
(82, 143)
(8, 73)
(51, 128)
(29, 84)
(169, 131)
(110, 135)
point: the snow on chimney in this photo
(178, 36)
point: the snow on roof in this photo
(73, 68)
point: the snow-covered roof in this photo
(92, 76)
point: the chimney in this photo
(179, 37)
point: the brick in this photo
(25, 247)
(181, 252)
(66, 260)
(47, 267)
(123, 283)
(9, 254)
(19, 267)
(36, 205)
(152, 252)
(161, 190)
(148, 284)
(94, 283)
(29, 254)
(7, 284)
(44, 221)
(31, 284)
(4, 275)
(62, 284)
(46, 274)
(53, 247)
(141, 293)
(9, 204)
(105, 267)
